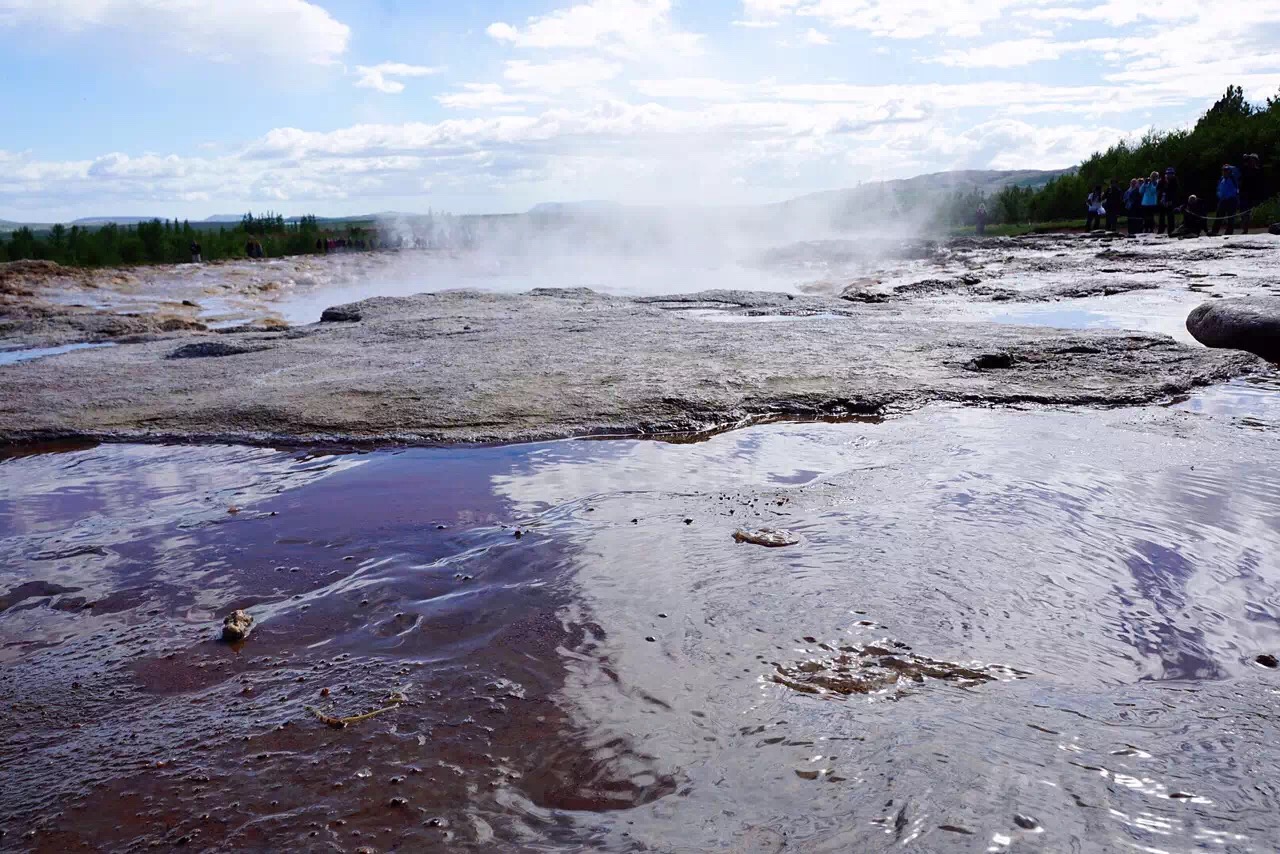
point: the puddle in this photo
(11, 357)
(566, 649)
(1142, 313)
(1252, 401)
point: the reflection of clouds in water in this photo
(129, 486)
(757, 457)
(1046, 515)
(1140, 313)
(1251, 398)
(64, 516)
(1083, 547)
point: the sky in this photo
(190, 108)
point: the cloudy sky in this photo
(196, 107)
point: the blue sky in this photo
(188, 108)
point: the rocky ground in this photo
(465, 366)
(43, 304)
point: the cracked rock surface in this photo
(468, 366)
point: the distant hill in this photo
(108, 220)
(866, 199)
(921, 199)
(989, 182)
(567, 208)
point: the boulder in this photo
(215, 350)
(1240, 323)
(1275, 228)
(236, 626)
(349, 313)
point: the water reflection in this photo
(601, 681)
(369, 576)
(12, 357)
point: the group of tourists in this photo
(1152, 205)
(342, 244)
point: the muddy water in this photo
(1054, 619)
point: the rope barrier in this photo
(1205, 217)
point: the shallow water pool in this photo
(574, 653)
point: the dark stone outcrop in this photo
(1241, 323)
(341, 314)
(214, 349)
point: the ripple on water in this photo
(609, 679)
(1250, 401)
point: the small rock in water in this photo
(1025, 822)
(766, 537)
(879, 667)
(1267, 660)
(236, 626)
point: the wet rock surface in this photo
(215, 349)
(767, 537)
(52, 326)
(236, 626)
(422, 369)
(1240, 323)
(878, 668)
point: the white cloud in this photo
(630, 150)
(899, 19)
(612, 98)
(561, 75)
(481, 96)
(621, 27)
(1008, 54)
(226, 31)
(379, 76)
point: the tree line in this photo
(1230, 129)
(169, 241)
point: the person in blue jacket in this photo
(1228, 199)
(1150, 202)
